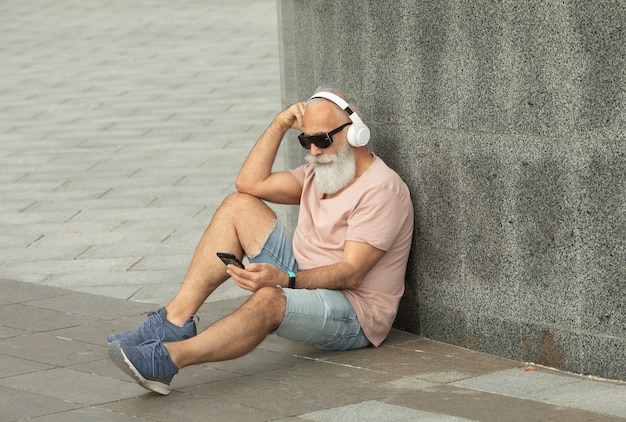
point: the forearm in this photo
(258, 164)
(358, 259)
(340, 276)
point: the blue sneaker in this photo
(149, 364)
(155, 321)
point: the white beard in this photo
(333, 172)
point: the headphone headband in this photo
(359, 133)
(343, 104)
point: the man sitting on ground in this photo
(335, 284)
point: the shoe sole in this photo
(117, 355)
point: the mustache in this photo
(321, 159)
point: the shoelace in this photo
(154, 318)
(149, 348)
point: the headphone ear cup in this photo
(358, 135)
(364, 135)
(352, 135)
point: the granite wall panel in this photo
(507, 120)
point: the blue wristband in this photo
(292, 279)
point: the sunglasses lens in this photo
(320, 141)
(304, 141)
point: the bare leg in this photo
(236, 334)
(241, 224)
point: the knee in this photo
(234, 205)
(270, 296)
(272, 302)
(245, 211)
(239, 200)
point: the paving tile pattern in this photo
(123, 126)
(54, 366)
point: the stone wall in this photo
(507, 119)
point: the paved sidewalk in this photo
(122, 127)
(54, 367)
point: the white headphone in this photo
(358, 132)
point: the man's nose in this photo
(315, 151)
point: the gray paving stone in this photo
(32, 319)
(100, 307)
(90, 236)
(49, 349)
(124, 292)
(18, 405)
(6, 332)
(191, 408)
(553, 388)
(87, 414)
(11, 366)
(604, 398)
(72, 386)
(376, 411)
(16, 292)
(118, 279)
(27, 218)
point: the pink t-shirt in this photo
(376, 210)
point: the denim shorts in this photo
(321, 317)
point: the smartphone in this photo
(229, 258)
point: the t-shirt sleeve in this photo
(377, 219)
(299, 173)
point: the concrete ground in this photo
(122, 127)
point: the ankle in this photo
(172, 350)
(175, 318)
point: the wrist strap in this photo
(292, 279)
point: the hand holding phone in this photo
(229, 258)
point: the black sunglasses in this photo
(321, 141)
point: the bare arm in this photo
(256, 176)
(357, 260)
